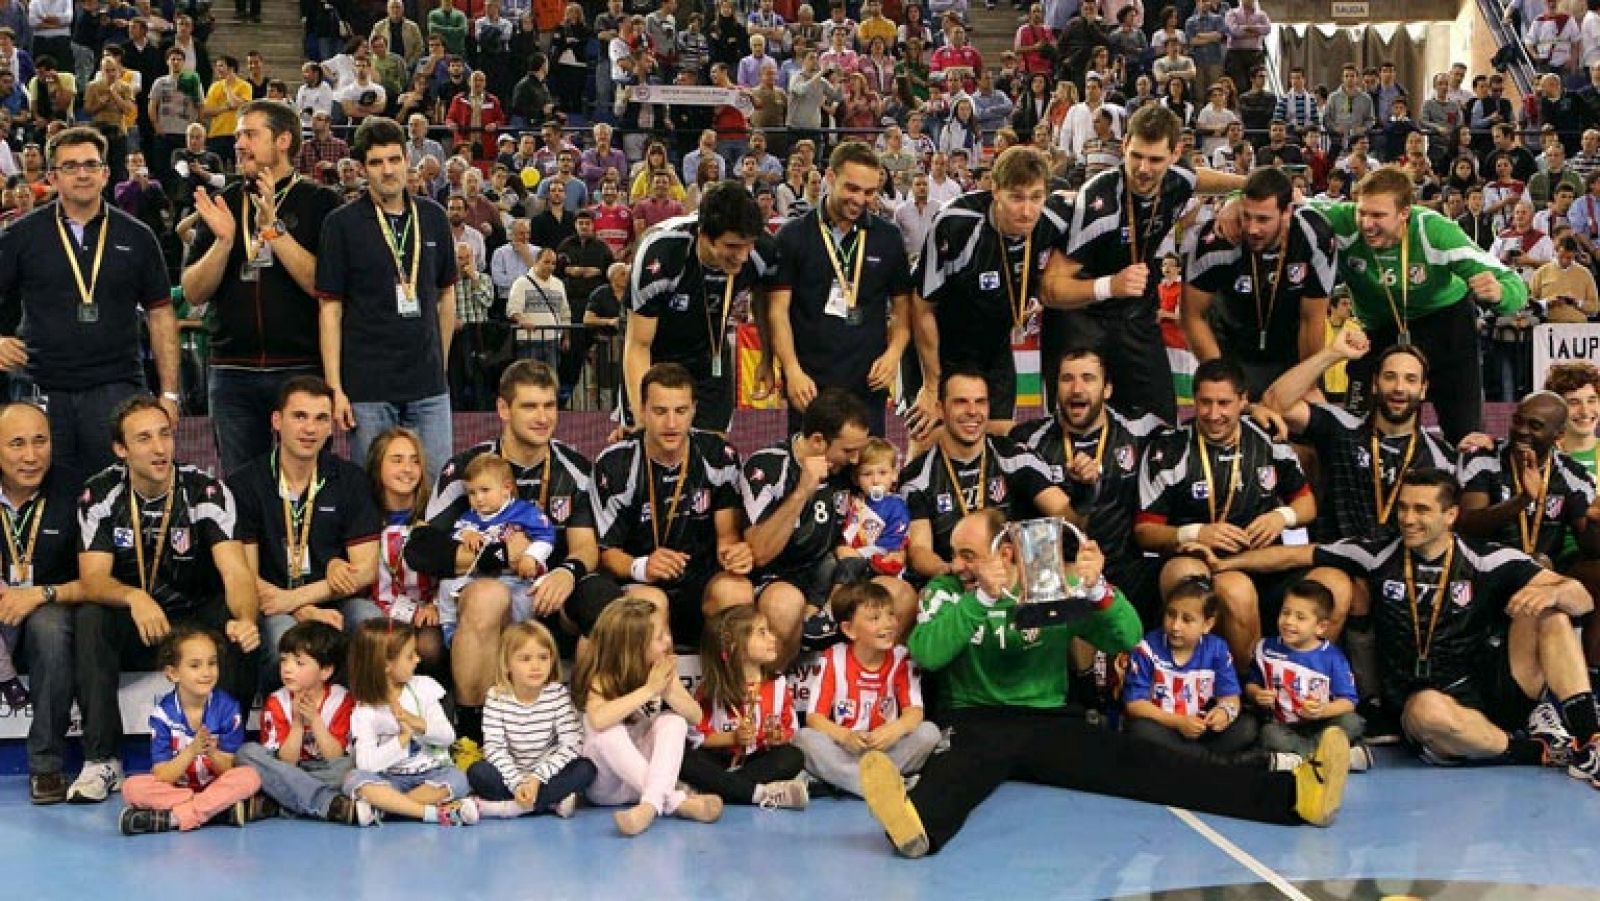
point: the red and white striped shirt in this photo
(861, 699)
(277, 716)
(767, 700)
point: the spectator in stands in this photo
(1490, 111)
(727, 36)
(51, 24)
(362, 96)
(1553, 40)
(1560, 108)
(1349, 112)
(1520, 246)
(1298, 106)
(461, 232)
(228, 92)
(554, 224)
(1440, 116)
(1566, 288)
(1543, 185)
(1174, 64)
(449, 25)
(320, 154)
(385, 359)
(1213, 120)
(171, 109)
(577, 194)
(1176, 100)
(538, 305)
(477, 117)
(1207, 33)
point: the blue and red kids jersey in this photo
(1295, 677)
(170, 733)
(1187, 690)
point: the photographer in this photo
(1566, 286)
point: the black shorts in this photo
(1493, 691)
(815, 582)
(593, 593)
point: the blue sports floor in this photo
(1405, 831)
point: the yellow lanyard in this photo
(248, 203)
(22, 559)
(718, 336)
(1424, 646)
(1211, 485)
(1133, 221)
(415, 228)
(296, 516)
(147, 577)
(85, 291)
(980, 495)
(1018, 304)
(1405, 287)
(851, 288)
(1530, 530)
(1263, 319)
(656, 528)
(1385, 503)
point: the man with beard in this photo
(1263, 301)
(850, 326)
(969, 468)
(254, 254)
(1102, 280)
(1222, 484)
(1093, 453)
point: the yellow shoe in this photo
(885, 791)
(1319, 782)
(464, 753)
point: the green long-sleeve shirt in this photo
(1440, 258)
(985, 661)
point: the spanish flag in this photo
(748, 349)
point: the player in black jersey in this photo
(666, 506)
(1093, 453)
(686, 274)
(1262, 301)
(1221, 483)
(1470, 636)
(1119, 220)
(978, 282)
(549, 473)
(1527, 493)
(970, 469)
(159, 549)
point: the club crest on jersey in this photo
(679, 303)
(997, 489)
(1358, 264)
(944, 504)
(988, 281)
(1393, 591)
(449, 470)
(1296, 273)
(1461, 593)
(841, 503)
(122, 537)
(653, 267)
(560, 508)
(1125, 457)
(180, 541)
(702, 501)
(1056, 474)
(1419, 275)
(1098, 204)
(1244, 285)
(844, 709)
(1268, 477)
(1553, 506)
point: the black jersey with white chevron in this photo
(1566, 498)
(1011, 478)
(771, 475)
(1348, 505)
(1174, 490)
(565, 501)
(1102, 234)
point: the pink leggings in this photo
(192, 808)
(647, 772)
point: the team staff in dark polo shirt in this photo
(38, 511)
(254, 259)
(842, 272)
(75, 273)
(308, 522)
(386, 275)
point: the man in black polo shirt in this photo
(1470, 636)
(967, 469)
(159, 549)
(550, 473)
(254, 259)
(1093, 453)
(1222, 483)
(308, 522)
(1104, 276)
(1264, 301)
(75, 273)
(40, 556)
(686, 274)
(386, 277)
(978, 282)
(666, 507)
(850, 326)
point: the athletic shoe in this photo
(885, 791)
(501, 810)
(1382, 724)
(95, 782)
(14, 693)
(820, 631)
(260, 807)
(342, 809)
(1284, 762)
(236, 816)
(140, 821)
(1586, 762)
(1361, 759)
(790, 794)
(1319, 782)
(567, 806)
(47, 788)
(461, 813)
(1546, 728)
(464, 753)
(366, 814)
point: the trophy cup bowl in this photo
(1051, 593)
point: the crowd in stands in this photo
(488, 208)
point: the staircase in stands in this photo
(279, 36)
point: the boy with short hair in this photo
(305, 727)
(1303, 681)
(497, 532)
(876, 526)
(867, 695)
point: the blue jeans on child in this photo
(446, 775)
(488, 784)
(305, 790)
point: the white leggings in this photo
(643, 769)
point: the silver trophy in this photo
(1051, 593)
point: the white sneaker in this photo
(1284, 762)
(1360, 758)
(366, 815)
(567, 806)
(790, 794)
(96, 782)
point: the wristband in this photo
(577, 567)
(637, 571)
(1102, 288)
(173, 396)
(1189, 533)
(1101, 595)
(1290, 520)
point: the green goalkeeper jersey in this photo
(1439, 259)
(986, 661)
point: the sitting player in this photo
(1302, 681)
(498, 531)
(867, 695)
(305, 727)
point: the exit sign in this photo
(1351, 9)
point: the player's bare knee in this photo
(1430, 715)
(727, 590)
(482, 606)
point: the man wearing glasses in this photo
(76, 272)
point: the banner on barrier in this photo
(1564, 343)
(691, 95)
(136, 697)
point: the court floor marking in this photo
(1241, 856)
